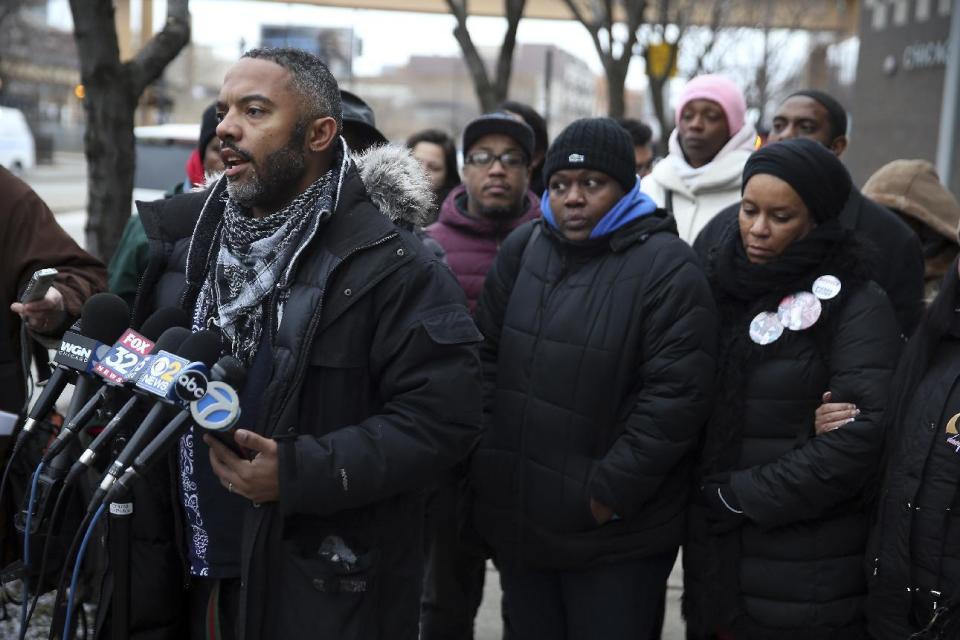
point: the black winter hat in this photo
(208, 128)
(812, 170)
(358, 115)
(501, 123)
(593, 143)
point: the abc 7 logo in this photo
(219, 409)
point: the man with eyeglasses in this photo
(474, 220)
(493, 200)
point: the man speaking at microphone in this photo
(363, 381)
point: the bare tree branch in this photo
(113, 89)
(489, 92)
(163, 47)
(514, 11)
(615, 56)
(717, 15)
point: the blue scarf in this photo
(635, 204)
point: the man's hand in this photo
(601, 512)
(45, 316)
(257, 480)
(833, 415)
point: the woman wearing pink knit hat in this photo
(712, 141)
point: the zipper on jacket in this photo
(300, 370)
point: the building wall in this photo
(437, 92)
(896, 99)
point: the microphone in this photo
(197, 353)
(216, 407)
(171, 340)
(102, 320)
(130, 352)
(218, 411)
(121, 364)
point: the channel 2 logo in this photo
(164, 370)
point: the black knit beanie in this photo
(812, 170)
(593, 143)
(208, 128)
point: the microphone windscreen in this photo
(171, 339)
(203, 346)
(104, 317)
(230, 370)
(163, 319)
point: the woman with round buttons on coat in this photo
(776, 540)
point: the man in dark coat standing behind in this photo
(895, 256)
(362, 384)
(475, 219)
(493, 200)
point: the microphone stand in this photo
(120, 516)
(54, 472)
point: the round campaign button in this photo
(799, 311)
(826, 287)
(765, 328)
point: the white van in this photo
(17, 151)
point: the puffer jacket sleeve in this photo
(676, 382)
(830, 469)
(424, 359)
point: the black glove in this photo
(724, 513)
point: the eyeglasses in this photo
(509, 159)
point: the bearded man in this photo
(362, 383)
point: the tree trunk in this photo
(112, 90)
(616, 93)
(659, 108)
(490, 93)
(111, 157)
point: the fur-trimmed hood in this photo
(394, 180)
(396, 184)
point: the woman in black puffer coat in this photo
(776, 540)
(599, 360)
(914, 553)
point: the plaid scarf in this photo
(255, 257)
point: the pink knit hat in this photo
(721, 90)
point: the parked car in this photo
(162, 152)
(17, 150)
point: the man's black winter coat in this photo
(374, 392)
(913, 563)
(599, 366)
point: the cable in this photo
(76, 572)
(6, 470)
(62, 580)
(25, 597)
(46, 553)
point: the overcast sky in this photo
(388, 37)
